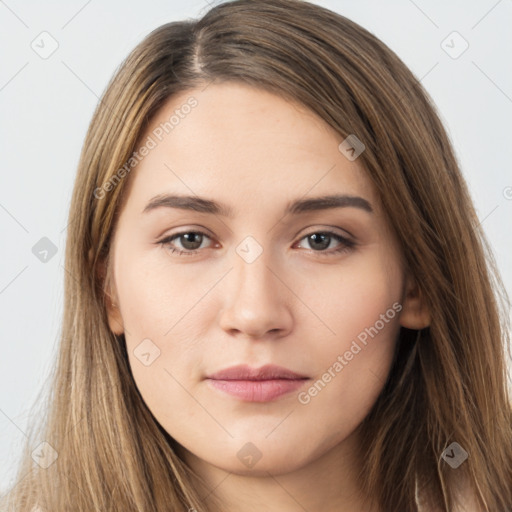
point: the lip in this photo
(256, 384)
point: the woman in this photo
(278, 295)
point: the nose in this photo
(257, 300)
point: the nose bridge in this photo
(251, 273)
(256, 299)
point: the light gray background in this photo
(46, 106)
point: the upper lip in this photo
(245, 372)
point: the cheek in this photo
(360, 301)
(164, 339)
(353, 360)
(158, 299)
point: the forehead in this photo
(239, 141)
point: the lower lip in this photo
(257, 390)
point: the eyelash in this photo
(347, 244)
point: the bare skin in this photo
(299, 304)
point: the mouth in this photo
(263, 384)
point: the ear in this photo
(415, 314)
(115, 320)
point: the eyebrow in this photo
(204, 205)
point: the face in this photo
(251, 270)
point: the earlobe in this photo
(415, 313)
(115, 320)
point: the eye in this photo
(192, 241)
(320, 240)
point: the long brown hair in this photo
(449, 384)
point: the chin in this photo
(286, 461)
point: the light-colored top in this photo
(467, 502)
